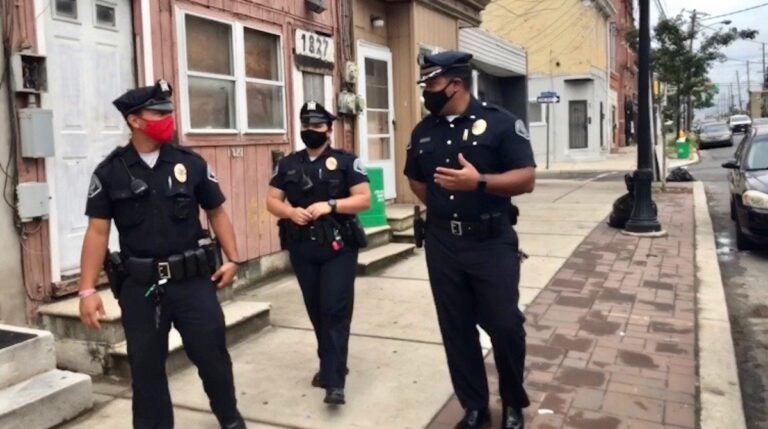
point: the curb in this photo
(719, 390)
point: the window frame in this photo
(239, 78)
(55, 15)
(94, 10)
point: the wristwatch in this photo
(333, 204)
(482, 182)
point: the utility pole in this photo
(738, 89)
(644, 219)
(749, 80)
(730, 99)
(765, 70)
(689, 109)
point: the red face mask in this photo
(160, 130)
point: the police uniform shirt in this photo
(490, 138)
(164, 220)
(331, 175)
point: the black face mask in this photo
(313, 139)
(434, 101)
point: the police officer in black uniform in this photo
(153, 189)
(317, 193)
(465, 160)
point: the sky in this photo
(740, 51)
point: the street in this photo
(744, 276)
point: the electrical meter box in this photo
(34, 200)
(36, 133)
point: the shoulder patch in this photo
(211, 175)
(359, 167)
(95, 187)
(521, 130)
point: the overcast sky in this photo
(739, 52)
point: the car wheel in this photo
(733, 209)
(742, 241)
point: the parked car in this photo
(739, 123)
(748, 183)
(716, 134)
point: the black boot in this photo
(238, 424)
(334, 396)
(512, 418)
(316, 379)
(475, 419)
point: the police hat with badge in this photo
(447, 63)
(313, 112)
(156, 97)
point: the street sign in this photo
(548, 97)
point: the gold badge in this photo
(479, 127)
(331, 163)
(180, 171)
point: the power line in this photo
(735, 12)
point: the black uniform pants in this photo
(191, 305)
(327, 280)
(476, 282)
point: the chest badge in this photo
(479, 127)
(331, 163)
(180, 172)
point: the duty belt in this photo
(490, 226)
(192, 263)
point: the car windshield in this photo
(716, 129)
(757, 158)
(740, 118)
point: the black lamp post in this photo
(644, 216)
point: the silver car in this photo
(740, 123)
(717, 134)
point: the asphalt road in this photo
(744, 278)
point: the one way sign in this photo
(548, 97)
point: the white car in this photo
(739, 123)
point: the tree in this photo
(687, 70)
(705, 97)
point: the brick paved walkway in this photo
(611, 339)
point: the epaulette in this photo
(187, 150)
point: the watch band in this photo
(482, 182)
(332, 202)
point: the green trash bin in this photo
(377, 214)
(683, 149)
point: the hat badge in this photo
(164, 85)
(311, 105)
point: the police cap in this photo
(313, 112)
(157, 97)
(455, 63)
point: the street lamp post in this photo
(644, 215)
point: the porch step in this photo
(376, 258)
(400, 216)
(243, 318)
(98, 352)
(24, 353)
(405, 236)
(378, 235)
(45, 400)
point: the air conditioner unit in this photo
(316, 6)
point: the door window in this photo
(65, 9)
(314, 87)
(377, 109)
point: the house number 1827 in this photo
(313, 45)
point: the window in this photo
(314, 87)
(216, 74)
(105, 15)
(535, 112)
(66, 9)
(612, 36)
(377, 108)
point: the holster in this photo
(419, 227)
(514, 212)
(358, 233)
(282, 227)
(114, 267)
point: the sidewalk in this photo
(610, 331)
(624, 160)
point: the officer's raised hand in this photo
(465, 179)
(225, 275)
(91, 310)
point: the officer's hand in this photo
(225, 275)
(465, 179)
(91, 310)
(301, 216)
(319, 209)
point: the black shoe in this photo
(475, 419)
(316, 380)
(239, 424)
(334, 396)
(512, 419)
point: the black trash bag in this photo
(680, 174)
(622, 207)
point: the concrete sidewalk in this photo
(624, 160)
(399, 377)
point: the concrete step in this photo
(45, 400)
(376, 258)
(24, 353)
(405, 236)
(378, 235)
(400, 216)
(243, 318)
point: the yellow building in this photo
(568, 45)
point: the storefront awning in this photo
(492, 54)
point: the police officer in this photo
(317, 192)
(465, 160)
(153, 189)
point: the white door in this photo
(376, 124)
(90, 63)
